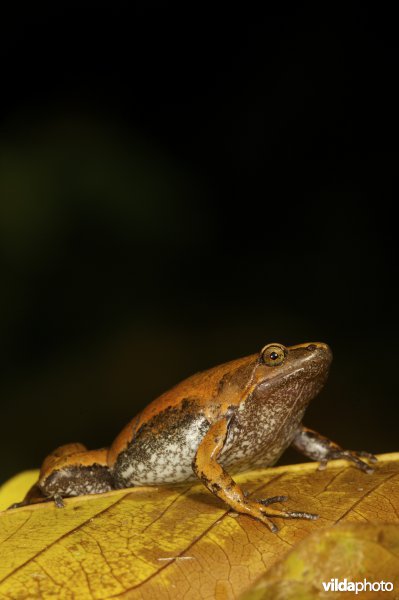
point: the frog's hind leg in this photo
(71, 470)
(218, 481)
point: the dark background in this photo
(179, 187)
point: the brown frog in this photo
(237, 416)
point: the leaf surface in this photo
(352, 551)
(177, 542)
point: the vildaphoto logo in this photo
(335, 585)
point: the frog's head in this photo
(294, 374)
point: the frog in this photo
(235, 417)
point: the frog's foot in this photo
(285, 514)
(352, 456)
(317, 447)
(260, 509)
(58, 501)
(35, 497)
(17, 505)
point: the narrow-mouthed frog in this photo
(237, 416)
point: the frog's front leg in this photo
(219, 482)
(317, 447)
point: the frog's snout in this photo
(321, 350)
(319, 345)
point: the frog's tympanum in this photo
(237, 416)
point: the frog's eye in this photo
(273, 355)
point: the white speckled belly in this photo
(163, 458)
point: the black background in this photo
(180, 186)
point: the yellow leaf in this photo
(178, 541)
(15, 489)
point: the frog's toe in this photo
(272, 500)
(266, 521)
(354, 457)
(257, 511)
(17, 505)
(371, 457)
(58, 501)
(284, 514)
(289, 514)
(293, 514)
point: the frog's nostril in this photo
(323, 350)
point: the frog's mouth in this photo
(312, 382)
